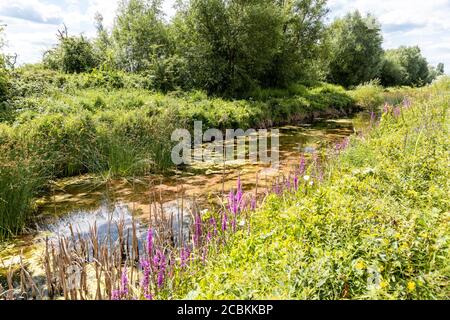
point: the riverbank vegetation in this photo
(377, 227)
(108, 106)
(370, 221)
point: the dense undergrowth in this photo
(376, 227)
(109, 122)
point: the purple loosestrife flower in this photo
(239, 192)
(406, 103)
(224, 221)
(146, 279)
(231, 201)
(242, 205)
(205, 252)
(197, 230)
(287, 183)
(397, 112)
(148, 296)
(124, 283)
(115, 295)
(253, 204)
(185, 254)
(233, 224)
(295, 182)
(160, 263)
(373, 117)
(213, 222)
(386, 108)
(235, 208)
(160, 278)
(302, 165)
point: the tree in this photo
(102, 43)
(411, 67)
(227, 45)
(392, 72)
(231, 46)
(440, 68)
(139, 34)
(355, 49)
(72, 54)
(299, 54)
(434, 72)
(4, 73)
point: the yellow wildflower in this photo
(411, 286)
(359, 265)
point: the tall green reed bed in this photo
(20, 178)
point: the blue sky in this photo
(32, 24)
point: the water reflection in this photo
(81, 202)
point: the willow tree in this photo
(139, 34)
(231, 46)
(355, 49)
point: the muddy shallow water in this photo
(82, 201)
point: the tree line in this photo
(230, 47)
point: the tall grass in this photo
(19, 183)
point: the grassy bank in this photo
(376, 227)
(110, 123)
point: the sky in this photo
(32, 25)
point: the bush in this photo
(368, 96)
(71, 55)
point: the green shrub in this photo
(368, 96)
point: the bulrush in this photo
(150, 243)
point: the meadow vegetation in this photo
(377, 227)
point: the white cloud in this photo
(32, 24)
(32, 10)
